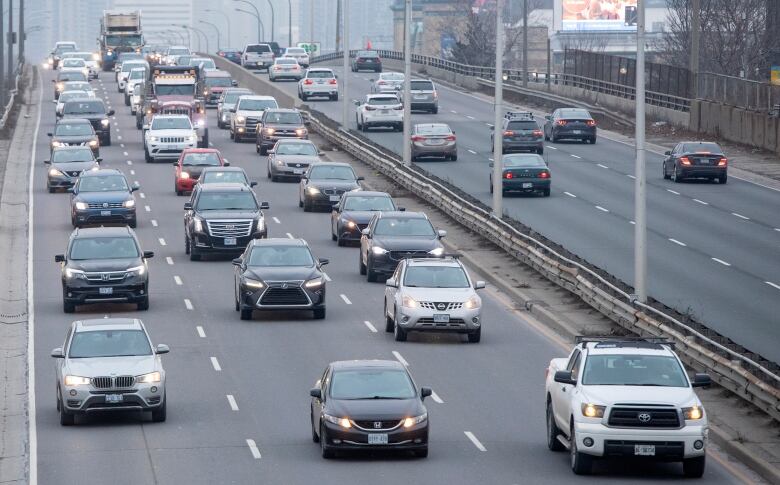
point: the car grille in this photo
(175, 111)
(285, 133)
(251, 123)
(73, 143)
(377, 425)
(333, 191)
(172, 139)
(106, 276)
(644, 417)
(399, 255)
(227, 228)
(441, 306)
(298, 165)
(454, 322)
(73, 173)
(106, 382)
(105, 205)
(278, 295)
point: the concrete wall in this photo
(735, 124)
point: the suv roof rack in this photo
(519, 115)
(623, 341)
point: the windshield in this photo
(72, 76)
(524, 161)
(178, 51)
(82, 154)
(178, 123)
(368, 203)
(128, 66)
(383, 101)
(280, 256)
(284, 118)
(258, 48)
(73, 129)
(701, 147)
(230, 98)
(436, 277)
(371, 384)
(109, 343)
(78, 86)
(330, 172)
(633, 370)
(218, 81)
(71, 95)
(209, 201)
(403, 226)
(320, 74)
(174, 89)
(64, 48)
(103, 183)
(85, 107)
(207, 63)
(209, 159)
(421, 85)
(126, 56)
(256, 104)
(73, 63)
(103, 248)
(137, 73)
(87, 56)
(123, 40)
(232, 176)
(391, 76)
(296, 149)
(183, 60)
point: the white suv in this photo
(379, 110)
(319, 82)
(168, 136)
(246, 115)
(618, 396)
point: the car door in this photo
(391, 293)
(335, 215)
(561, 394)
(317, 404)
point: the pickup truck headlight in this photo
(104, 122)
(593, 410)
(240, 119)
(150, 378)
(693, 413)
(77, 381)
(154, 139)
(350, 224)
(301, 131)
(409, 422)
(343, 422)
(256, 284)
(312, 190)
(82, 206)
(314, 283)
(55, 143)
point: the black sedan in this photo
(696, 159)
(369, 405)
(66, 165)
(354, 212)
(279, 274)
(570, 123)
(393, 236)
(324, 184)
(526, 172)
(75, 132)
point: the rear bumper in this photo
(516, 146)
(419, 149)
(575, 133)
(699, 171)
(522, 185)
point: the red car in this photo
(191, 163)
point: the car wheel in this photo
(147, 158)
(143, 305)
(454, 158)
(66, 418)
(400, 334)
(107, 141)
(327, 452)
(546, 192)
(68, 307)
(694, 467)
(235, 299)
(552, 431)
(666, 175)
(340, 242)
(138, 124)
(371, 275)
(304, 97)
(263, 150)
(675, 175)
(475, 336)
(360, 263)
(553, 138)
(194, 255)
(435, 110)
(389, 324)
(722, 180)
(52, 190)
(314, 436)
(127, 100)
(133, 224)
(205, 142)
(246, 314)
(540, 151)
(581, 464)
(593, 140)
(161, 413)
(186, 244)
(335, 97)
(319, 313)
(357, 123)
(546, 138)
(178, 192)
(306, 205)
(421, 453)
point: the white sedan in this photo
(379, 110)
(285, 68)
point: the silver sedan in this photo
(433, 140)
(291, 158)
(388, 82)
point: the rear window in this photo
(320, 74)
(367, 54)
(84, 107)
(575, 114)
(524, 161)
(296, 50)
(286, 60)
(522, 125)
(433, 129)
(232, 97)
(258, 48)
(701, 147)
(383, 101)
(72, 76)
(422, 85)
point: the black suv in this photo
(93, 110)
(75, 132)
(222, 219)
(104, 264)
(278, 123)
(520, 132)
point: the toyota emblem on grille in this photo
(105, 205)
(377, 424)
(104, 276)
(644, 417)
(441, 306)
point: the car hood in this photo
(375, 409)
(407, 243)
(104, 265)
(359, 217)
(181, 132)
(439, 294)
(106, 366)
(87, 116)
(334, 184)
(74, 166)
(74, 138)
(310, 159)
(290, 273)
(237, 214)
(245, 113)
(676, 396)
(108, 196)
(194, 170)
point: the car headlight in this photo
(343, 422)
(60, 86)
(409, 422)
(198, 223)
(149, 378)
(693, 413)
(350, 224)
(260, 223)
(55, 173)
(280, 162)
(240, 119)
(104, 122)
(269, 131)
(93, 143)
(256, 284)
(56, 143)
(154, 139)
(301, 131)
(81, 206)
(95, 57)
(473, 302)
(314, 283)
(50, 61)
(205, 92)
(593, 410)
(77, 381)
(378, 251)
(129, 203)
(408, 302)
(73, 273)
(184, 175)
(200, 123)
(192, 138)
(312, 190)
(436, 252)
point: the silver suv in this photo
(109, 364)
(424, 95)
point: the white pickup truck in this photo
(625, 397)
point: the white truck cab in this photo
(625, 397)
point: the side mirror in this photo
(371, 80)
(357, 102)
(176, 163)
(441, 233)
(59, 258)
(265, 205)
(360, 179)
(320, 154)
(188, 206)
(391, 283)
(47, 162)
(324, 261)
(232, 110)
(252, 184)
(148, 254)
(162, 349)
(365, 232)
(225, 164)
(701, 380)
(271, 152)
(145, 126)
(58, 114)
(238, 262)
(564, 377)
(479, 285)
(548, 117)
(316, 393)
(667, 152)
(425, 392)
(111, 112)
(234, 83)
(135, 187)
(98, 160)
(49, 134)
(72, 190)
(58, 353)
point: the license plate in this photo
(527, 185)
(644, 450)
(335, 198)
(298, 171)
(441, 318)
(576, 132)
(420, 96)
(320, 82)
(106, 291)
(435, 142)
(105, 213)
(377, 439)
(114, 398)
(230, 241)
(385, 111)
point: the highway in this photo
(238, 408)
(713, 250)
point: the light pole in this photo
(498, 132)
(694, 57)
(9, 41)
(2, 64)
(257, 16)
(640, 200)
(189, 36)
(205, 37)
(345, 77)
(227, 23)
(179, 37)
(216, 29)
(21, 30)
(407, 82)
(271, 6)
(289, 23)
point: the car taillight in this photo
(561, 122)
(685, 160)
(544, 175)
(509, 133)
(435, 95)
(381, 82)
(723, 161)
(450, 138)
(537, 132)
(507, 175)
(591, 122)
(418, 138)
(399, 107)
(332, 81)
(370, 108)
(308, 81)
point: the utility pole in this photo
(338, 26)
(311, 28)
(525, 43)
(694, 57)
(498, 132)
(345, 77)
(273, 27)
(2, 64)
(21, 30)
(407, 83)
(640, 201)
(10, 41)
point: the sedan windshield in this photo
(231, 176)
(109, 343)
(64, 48)
(174, 89)
(178, 52)
(103, 248)
(371, 384)
(82, 154)
(75, 129)
(205, 63)
(209, 159)
(103, 183)
(84, 107)
(296, 149)
(325, 172)
(73, 63)
(178, 123)
(633, 370)
(389, 226)
(436, 277)
(128, 66)
(368, 203)
(280, 256)
(226, 201)
(221, 82)
(256, 104)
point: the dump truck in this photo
(119, 32)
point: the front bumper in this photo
(353, 438)
(287, 171)
(349, 232)
(240, 133)
(140, 397)
(321, 199)
(60, 181)
(80, 292)
(122, 215)
(670, 444)
(525, 185)
(204, 243)
(421, 319)
(187, 184)
(253, 298)
(168, 150)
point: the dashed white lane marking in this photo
(672, 192)
(154, 222)
(211, 144)
(188, 304)
(474, 440)
(143, 196)
(129, 162)
(602, 166)
(290, 236)
(121, 145)
(601, 209)
(740, 216)
(215, 364)
(453, 111)
(551, 147)
(325, 275)
(400, 358)
(370, 326)
(232, 402)
(436, 397)
(490, 125)
(125, 154)
(200, 331)
(491, 159)
(147, 208)
(570, 194)
(777, 229)
(169, 260)
(346, 300)
(469, 117)
(253, 448)
(679, 243)
(276, 220)
(701, 202)
(118, 137)
(632, 223)
(177, 279)
(773, 285)
(132, 172)
(575, 156)
(162, 242)
(113, 118)
(721, 262)
(472, 151)
(631, 177)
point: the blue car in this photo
(102, 197)
(230, 54)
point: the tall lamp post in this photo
(216, 29)
(640, 199)
(407, 82)
(345, 100)
(289, 23)
(256, 14)
(271, 6)
(498, 133)
(227, 23)
(198, 31)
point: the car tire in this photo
(178, 192)
(722, 180)
(435, 110)
(454, 158)
(540, 151)
(371, 275)
(546, 192)
(358, 125)
(127, 100)
(319, 313)
(138, 124)
(68, 307)
(66, 418)
(143, 305)
(314, 436)
(194, 255)
(263, 150)
(666, 175)
(364, 127)
(205, 142)
(581, 464)
(326, 450)
(475, 336)
(246, 314)
(133, 224)
(546, 138)
(675, 175)
(107, 141)
(399, 333)
(306, 205)
(694, 467)
(553, 444)
(553, 138)
(421, 453)
(147, 157)
(335, 97)
(51, 190)
(304, 97)
(340, 242)
(593, 140)
(362, 266)
(235, 300)
(161, 413)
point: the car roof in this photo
(279, 241)
(402, 215)
(96, 324)
(314, 69)
(443, 261)
(237, 90)
(217, 73)
(381, 95)
(257, 97)
(332, 164)
(101, 172)
(282, 110)
(200, 150)
(366, 364)
(226, 187)
(103, 231)
(624, 348)
(366, 193)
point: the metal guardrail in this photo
(9, 106)
(739, 92)
(732, 370)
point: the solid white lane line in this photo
(232, 402)
(701, 202)
(740, 216)
(474, 440)
(602, 166)
(491, 159)
(125, 154)
(721, 262)
(188, 304)
(143, 196)
(601, 208)
(162, 242)
(773, 285)
(777, 229)
(370, 326)
(215, 364)
(325, 275)
(672, 192)
(169, 260)
(570, 194)
(113, 118)
(575, 156)
(631, 176)
(472, 151)
(346, 300)
(154, 222)
(276, 220)
(200, 331)
(400, 358)
(253, 448)
(290, 236)
(679, 243)
(177, 279)
(436, 397)
(147, 208)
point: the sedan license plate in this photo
(385, 111)
(335, 198)
(441, 318)
(230, 241)
(114, 398)
(576, 132)
(298, 171)
(419, 96)
(435, 142)
(377, 439)
(527, 185)
(105, 213)
(644, 450)
(106, 291)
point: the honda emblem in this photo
(377, 424)
(104, 276)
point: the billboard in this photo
(598, 14)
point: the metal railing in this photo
(6, 110)
(738, 92)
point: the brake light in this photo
(381, 82)
(308, 81)
(544, 175)
(435, 95)
(332, 81)
(450, 138)
(561, 122)
(370, 108)
(509, 133)
(418, 138)
(723, 161)
(537, 132)
(277, 68)
(507, 175)
(685, 160)
(591, 122)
